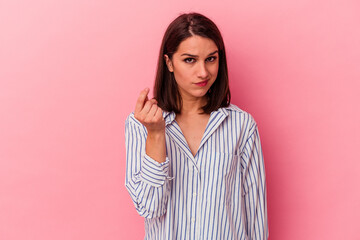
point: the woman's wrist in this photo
(156, 134)
(155, 145)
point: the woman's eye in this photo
(211, 59)
(189, 60)
(192, 60)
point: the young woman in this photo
(194, 164)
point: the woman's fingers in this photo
(151, 114)
(159, 114)
(142, 99)
(147, 107)
(148, 112)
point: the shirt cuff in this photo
(153, 172)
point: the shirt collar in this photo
(169, 117)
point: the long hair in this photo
(165, 89)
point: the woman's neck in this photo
(192, 106)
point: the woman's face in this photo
(195, 66)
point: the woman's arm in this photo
(254, 188)
(146, 162)
(147, 180)
(150, 115)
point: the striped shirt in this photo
(218, 194)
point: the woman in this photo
(194, 162)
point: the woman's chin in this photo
(197, 94)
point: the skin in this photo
(150, 115)
(195, 61)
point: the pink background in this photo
(70, 73)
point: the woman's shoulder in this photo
(236, 112)
(130, 119)
(232, 108)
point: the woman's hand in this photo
(149, 114)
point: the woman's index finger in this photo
(141, 100)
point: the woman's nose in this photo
(202, 70)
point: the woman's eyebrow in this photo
(190, 55)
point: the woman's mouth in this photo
(202, 84)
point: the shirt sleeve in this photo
(254, 188)
(147, 180)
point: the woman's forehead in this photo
(197, 45)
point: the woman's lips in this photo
(202, 84)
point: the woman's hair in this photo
(165, 89)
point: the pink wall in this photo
(70, 72)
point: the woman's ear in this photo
(168, 63)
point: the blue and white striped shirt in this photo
(218, 194)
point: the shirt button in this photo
(192, 220)
(194, 194)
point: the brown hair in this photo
(165, 89)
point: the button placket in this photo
(197, 196)
(194, 200)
